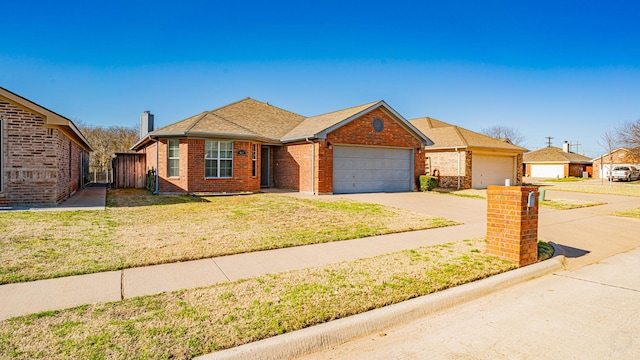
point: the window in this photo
(173, 166)
(254, 161)
(218, 159)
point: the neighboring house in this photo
(621, 156)
(465, 159)
(43, 156)
(553, 162)
(249, 145)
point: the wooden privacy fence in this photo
(129, 170)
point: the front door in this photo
(265, 172)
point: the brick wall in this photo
(292, 167)
(31, 166)
(69, 165)
(192, 172)
(512, 227)
(446, 162)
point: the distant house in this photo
(553, 162)
(43, 156)
(465, 159)
(620, 156)
(249, 145)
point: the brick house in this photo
(43, 155)
(464, 159)
(553, 162)
(621, 156)
(249, 145)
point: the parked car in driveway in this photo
(624, 173)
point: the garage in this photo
(359, 169)
(492, 170)
(547, 170)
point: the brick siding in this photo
(191, 177)
(40, 165)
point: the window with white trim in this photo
(173, 155)
(254, 161)
(218, 159)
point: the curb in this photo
(325, 336)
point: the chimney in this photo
(565, 146)
(146, 123)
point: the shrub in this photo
(428, 183)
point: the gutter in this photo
(313, 165)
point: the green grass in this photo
(470, 196)
(139, 229)
(188, 323)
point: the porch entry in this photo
(265, 169)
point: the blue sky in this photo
(566, 69)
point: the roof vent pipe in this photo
(146, 123)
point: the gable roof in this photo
(51, 119)
(447, 136)
(554, 155)
(252, 119)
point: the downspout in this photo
(458, 152)
(313, 165)
(155, 192)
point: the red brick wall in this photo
(292, 167)
(35, 163)
(512, 227)
(191, 178)
(446, 162)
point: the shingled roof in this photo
(554, 155)
(252, 119)
(447, 136)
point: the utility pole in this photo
(549, 138)
(577, 144)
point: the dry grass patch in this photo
(139, 229)
(188, 323)
(626, 190)
(635, 213)
(568, 204)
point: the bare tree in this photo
(629, 135)
(609, 140)
(106, 141)
(505, 132)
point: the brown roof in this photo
(253, 119)
(554, 154)
(447, 136)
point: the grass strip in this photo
(560, 204)
(139, 229)
(188, 323)
(635, 213)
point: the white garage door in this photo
(491, 170)
(371, 169)
(547, 171)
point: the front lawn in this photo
(564, 180)
(568, 204)
(139, 229)
(635, 213)
(188, 323)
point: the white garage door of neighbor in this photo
(491, 170)
(547, 171)
(371, 169)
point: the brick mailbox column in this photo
(512, 226)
